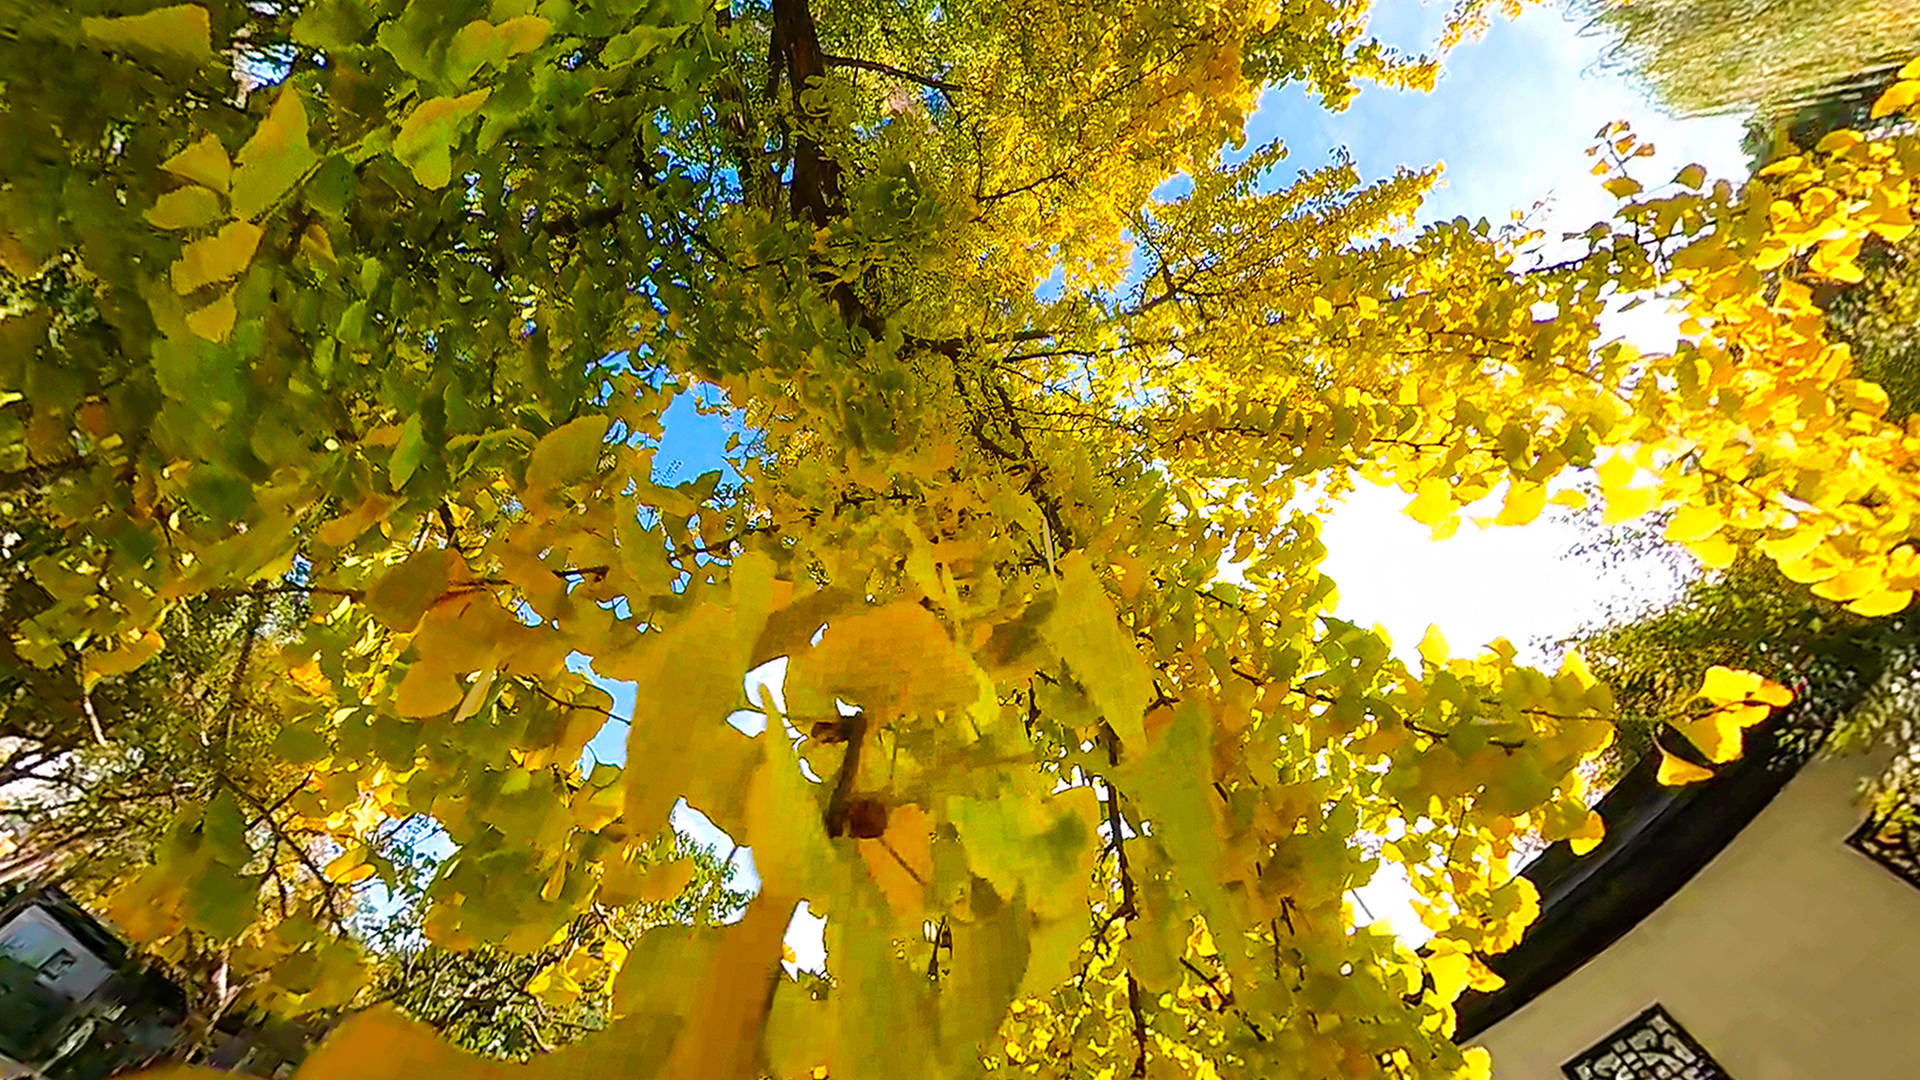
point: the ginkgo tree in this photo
(380, 303)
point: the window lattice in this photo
(1891, 837)
(1653, 1046)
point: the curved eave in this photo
(1658, 837)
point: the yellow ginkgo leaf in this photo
(1899, 97)
(349, 867)
(427, 689)
(567, 454)
(1692, 523)
(1851, 584)
(1718, 733)
(1714, 552)
(1451, 968)
(186, 208)
(1433, 504)
(1677, 771)
(1881, 603)
(204, 162)
(184, 31)
(1723, 684)
(215, 321)
(275, 158)
(216, 258)
(1523, 503)
(1625, 503)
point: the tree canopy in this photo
(379, 304)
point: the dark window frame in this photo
(1651, 1046)
(1891, 837)
(57, 963)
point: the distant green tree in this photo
(1850, 674)
(506, 1004)
(1702, 57)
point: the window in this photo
(56, 965)
(1891, 837)
(1653, 1046)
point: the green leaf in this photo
(481, 43)
(332, 24)
(408, 452)
(220, 493)
(223, 901)
(1041, 850)
(636, 43)
(425, 140)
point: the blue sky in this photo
(1510, 121)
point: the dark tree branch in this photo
(875, 66)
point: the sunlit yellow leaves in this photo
(1694, 523)
(1849, 584)
(1569, 820)
(1450, 967)
(721, 1036)
(1676, 771)
(1835, 259)
(1042, 850)
(1737, 700)
(1624, 500)
(350, 866)
(216, 258)
(346, 528)
(1714, 552)
(1085, 631)
(1478, 1064)
(1877, 604)
(1513, 907)
(1725, 686)
(1898, 98)
(901, 861)
(1434, 506)
(424, 142)
(689, 680)
(182, 30)
(897, 658)
(992, 569)
(1523, 503)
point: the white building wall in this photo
(32, 937)
(1790, 956)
